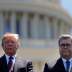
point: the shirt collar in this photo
(64, 60)
(7, 57)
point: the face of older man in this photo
(65, 48)
(10, 45)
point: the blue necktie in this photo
(10, 62)
(67, 65)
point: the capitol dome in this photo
(35, 18)
(39, 24)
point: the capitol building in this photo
(39, 23)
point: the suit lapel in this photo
(20, 66)
(60, 62)
(5, 68)
(71, 69)
(15, 66)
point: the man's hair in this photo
(16, 36)
(64, 36)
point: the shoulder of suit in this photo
(1, 59)
(52, 63)
(23, 59)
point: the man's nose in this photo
(65, 47)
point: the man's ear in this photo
(18, 44)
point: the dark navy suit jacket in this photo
(20, 65)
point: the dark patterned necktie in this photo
(10, 62)
(67, 65)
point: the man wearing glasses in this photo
(64, 63)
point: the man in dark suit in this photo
(9, 61)
(64, 63)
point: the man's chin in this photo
(66, 56)
(11, 53)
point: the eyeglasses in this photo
(65, 45)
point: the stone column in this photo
(67, 29)
(62, 27)
(70, 29)
(55, 22)
(34, 26)
(1, 24)
(24, 27)
(13, 22)
(47, 24)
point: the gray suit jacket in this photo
(20, 65)
(71, 69)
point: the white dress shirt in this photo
(13, 60)
(64, 62)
